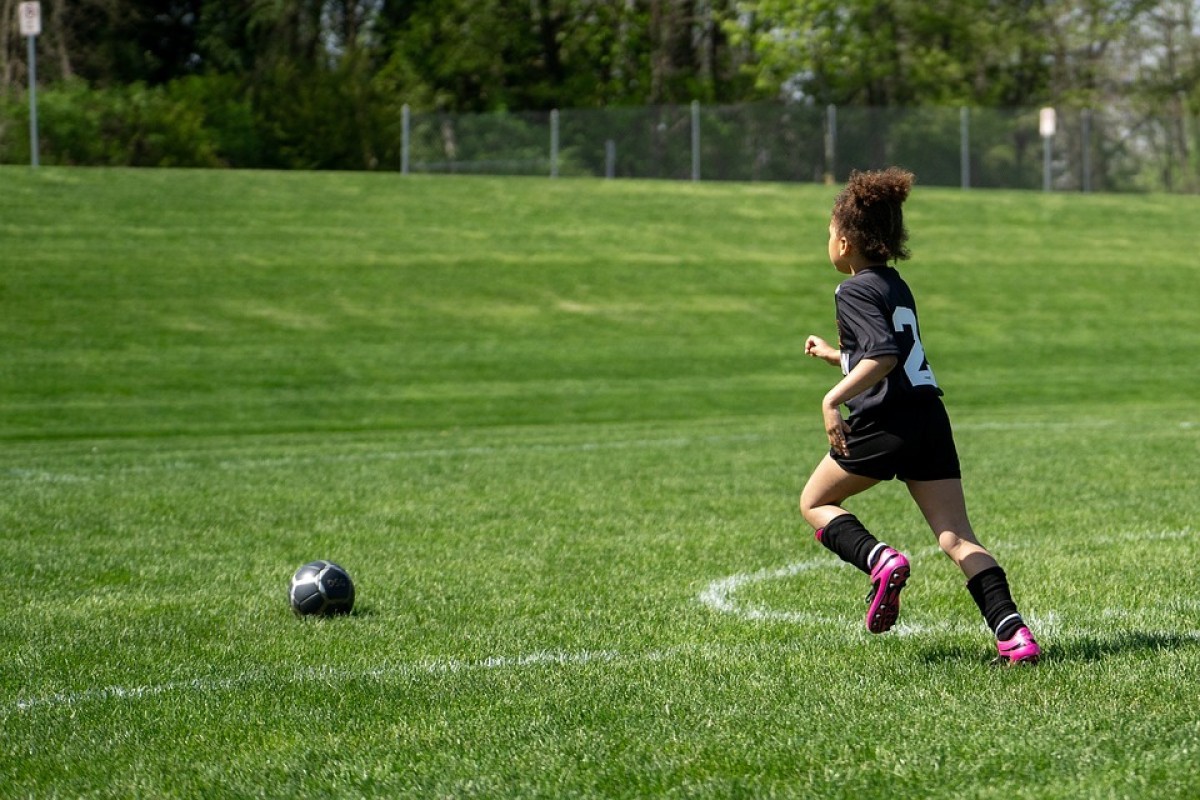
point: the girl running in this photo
(897, 425)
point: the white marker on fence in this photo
(1047, 122)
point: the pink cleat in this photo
(887, 579)
(1020, 649)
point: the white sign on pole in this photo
(30, 15)
(1047, 122)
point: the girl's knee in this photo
(816, 509)
(809, 500)
(806, 510)
(805, 504)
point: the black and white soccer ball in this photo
(321, 588)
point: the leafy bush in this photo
(134, 125)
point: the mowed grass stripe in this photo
(538, 420)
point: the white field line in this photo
(720, 596)
(217, 685)
(36, 475)
(1050, 625)
(400, 671)
(28, 475)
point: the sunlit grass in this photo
(556, 430)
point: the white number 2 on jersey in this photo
(918, 372)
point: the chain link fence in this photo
(1104, 150)
(1110, 149)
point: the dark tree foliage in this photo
(321, 83)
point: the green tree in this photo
(897, 52)
(475, 55)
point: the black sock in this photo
(990, 591)
(852, 543)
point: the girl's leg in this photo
(840, 531)
(828, 487)
(945, 510)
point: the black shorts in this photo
(911, 441)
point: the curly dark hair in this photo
(867, 212)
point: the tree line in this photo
(320, 83)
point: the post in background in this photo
(29, 16)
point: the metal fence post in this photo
(405, 138)
(610, 159)
(830, 143)
(554, 143)
(33, 120)
(1085, 124)
(1047, 149)
(964, 128)
(695, 140)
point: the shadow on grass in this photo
(359, 611)
(1095, 648)
(1087, 648)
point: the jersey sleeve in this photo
(863, 316)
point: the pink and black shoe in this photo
(887, 579)
(1019, 649)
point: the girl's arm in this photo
(866, 373)
(817, 347)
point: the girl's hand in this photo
(836, 429)
(817, 347)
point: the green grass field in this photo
(556, 431)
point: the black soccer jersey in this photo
(877, 316)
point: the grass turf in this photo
(555, 430)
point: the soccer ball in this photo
(321, 588)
